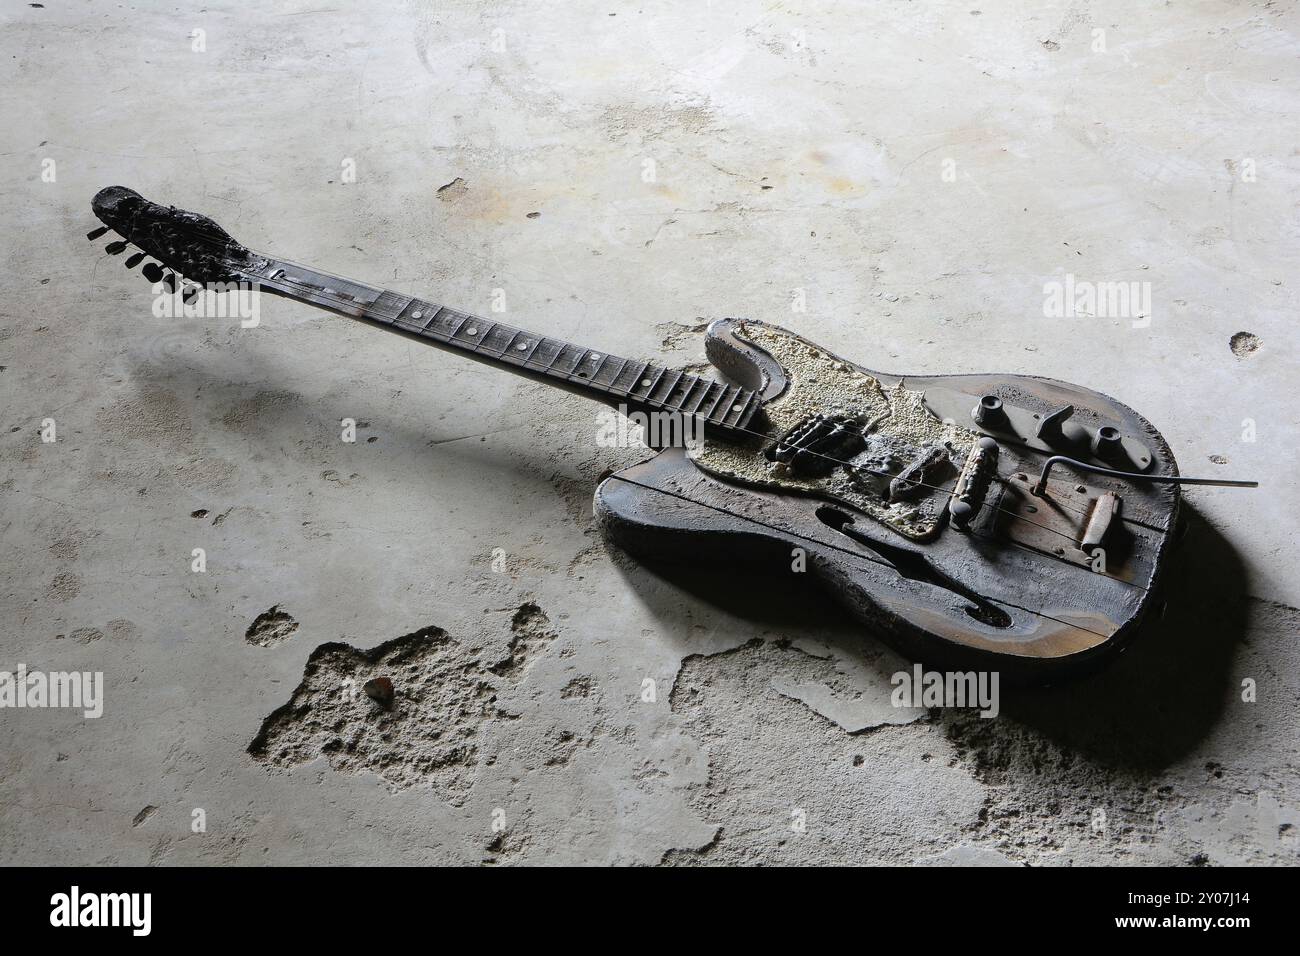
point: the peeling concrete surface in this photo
(620, 181)
(427, 736)
(271, 627)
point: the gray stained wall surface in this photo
(905, 183)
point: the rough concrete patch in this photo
(454, 190)
(154, 415)
(86, 635)
(245, 416)
(677, 334)
(651, 122)
(120, 629)
(506, 845)
(64, 587)
(1127, 795)
(271, 627)
(429, 735)
(693, 856)
(790, 786)
(509, 842)
(531, 634)
(66, 548)
(844, 705)
(578, 687)
(1243, 344)
(1254, 829)
(1042, 797)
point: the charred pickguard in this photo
(906, 454)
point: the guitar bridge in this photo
(1075, 523)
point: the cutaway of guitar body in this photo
(994, 596)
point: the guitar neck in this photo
(641, 386)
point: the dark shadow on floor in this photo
(1142, 710)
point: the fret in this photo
(719, 400)
(589, 357)
(492, 338)
(559, 348)
(683, 381)
(554, 367)
(415, 313)
(433, 316)
(703, 395)
(573, 369)
(613, 382)
(606, 384)
(739, 408)
(668, 394)
(638, 378)
(477, 333)
(505, 352)
(729, 408)
(653, 384)
(691, 381)
(594, 378)
(463, 320)
(551, 365)
(386, 308)
(523, 350)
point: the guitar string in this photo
(395, 321)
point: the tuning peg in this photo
(96, 233)
(153, 272)
(114, 248)
(133, 260)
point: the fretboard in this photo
(610, 378)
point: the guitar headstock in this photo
(188, 243)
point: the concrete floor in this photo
(917, 171)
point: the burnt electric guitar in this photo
(999, 522)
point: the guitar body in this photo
(995, 595)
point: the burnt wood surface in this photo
(927, 600)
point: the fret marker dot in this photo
(522, 346)
(471, 331)
(417, 314)
(594, 357)
(645, 383)
(736, 408)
